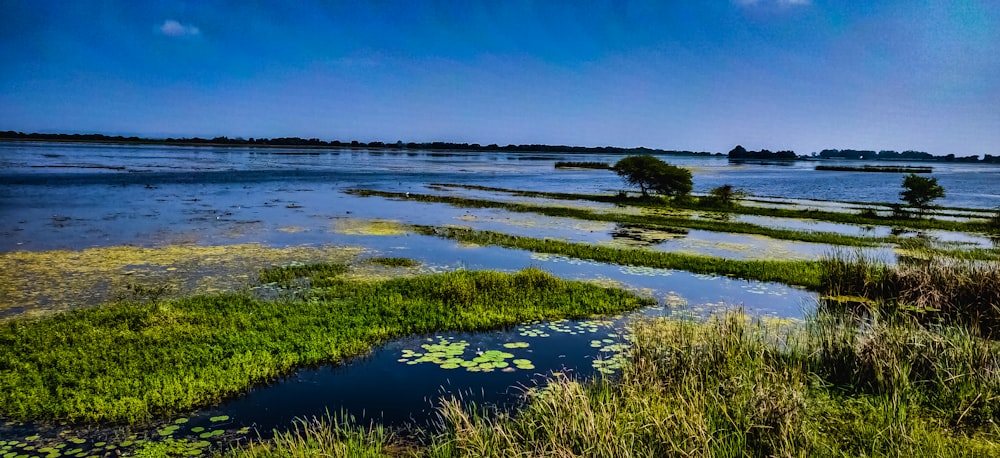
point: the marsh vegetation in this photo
(898, 357)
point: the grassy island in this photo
(172, 356)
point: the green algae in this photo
(358, 226)
(49, 281)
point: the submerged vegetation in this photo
(646, 220)
(803, 273)
(708, 203)
(171, 356)
(40, 283)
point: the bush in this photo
(724, 196)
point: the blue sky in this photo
(681, 74)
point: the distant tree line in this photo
(736, 153)
(739, 152)
(315, 142)
(889, 155)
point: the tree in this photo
(724, 196)
(920, 191)
(652, 174)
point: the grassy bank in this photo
(583, 165)
(876, 168)
(129, 361)
(650, 221)
(706, 203)
(838, 386)
(803, 273)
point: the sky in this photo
(699, 75)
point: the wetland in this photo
(169, 300)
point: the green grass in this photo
(333, 437)
(646, 220)
(803, 273)
(393, 262)
(862, 218)
(837, 386)
(286, 276)
(129, 362)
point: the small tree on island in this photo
(652, 174)
(724, 196)
(920, 191)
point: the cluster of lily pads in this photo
(449, 353)
(540, 329)
(175, 437)
(614, 351)
(645, 271)
(765, 289)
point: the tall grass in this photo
(128, 362)
(937, 290)
(734, 387)
(331, 436)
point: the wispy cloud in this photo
(172, 28)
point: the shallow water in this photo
(72, 197)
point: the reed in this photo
(953, 291)
(330, 436)
(740, 387)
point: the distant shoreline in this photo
(315, 143)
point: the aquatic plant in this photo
(172, 356)
(393, 262)
(284, 276)
(44, 282)
(901, 218)
(649, 220)
(358, 226)
(804, 273)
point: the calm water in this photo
(76, 196)
(55, 196)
